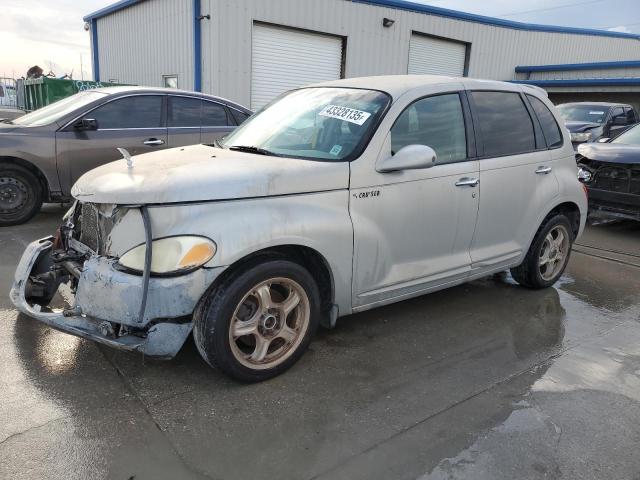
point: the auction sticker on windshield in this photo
(344, 113)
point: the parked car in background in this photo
(8, 96)
(590, 121)
(611, 172)
(43, 153)
(334, 199)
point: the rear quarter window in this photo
(550, 129)
(505, 124)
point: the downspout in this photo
(95, 57)
(197, 46)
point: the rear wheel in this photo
(548, 255)
(20, 195)
(259, 321)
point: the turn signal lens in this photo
(171, 255)
(198, 255)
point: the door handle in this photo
(153, 142)
(542, 170)
(467, 182)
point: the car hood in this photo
(8, 128)
(610, 152)
(202, 173)
(575, 127)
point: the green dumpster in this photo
(39, 92)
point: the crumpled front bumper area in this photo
(106, 296)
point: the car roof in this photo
(396, 85)
(125, 89)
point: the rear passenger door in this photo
(216, 121)
(193, 120)
(183, 120)
(516, 177)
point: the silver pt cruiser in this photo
(334, 199)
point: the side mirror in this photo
(619, 120)
(603, 140)
(86, 124)
(411, 157)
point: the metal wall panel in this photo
(435, 56)
(283, 59)
(147, 40)
(371, 49)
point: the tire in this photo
(532, 273)
(255, 299)
(20, 195)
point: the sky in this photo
(50, 33)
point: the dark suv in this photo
(43, 153)
(591, 121)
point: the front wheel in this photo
(548, 255)
(259, 321)
(20, 195)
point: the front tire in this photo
(548, 254)
(259, 321)
(20, 195)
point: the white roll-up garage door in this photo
(283, 59)
(435, 56)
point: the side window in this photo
(139, 111)
(184, 112)
(550, 129)
(631, 116)
(213, 115)
(616, 112)
(1, 91)
(239, 116)
(505, 123)
(437, 122)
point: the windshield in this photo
(51, 113)
(583, 113)
(629, 137)
(312, 123)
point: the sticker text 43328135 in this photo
(344, 113)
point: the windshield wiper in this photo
(6, 120)
(252, 149)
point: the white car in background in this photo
(8, 97)
(334, 199)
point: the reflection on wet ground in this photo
(484, 381)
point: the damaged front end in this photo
(611, 174)
(128, 310)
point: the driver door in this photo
(413, 228)
(134, 122)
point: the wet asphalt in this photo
(482, 381)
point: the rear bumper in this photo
(617, 204)
(106, 298)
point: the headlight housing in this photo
(584, 175)
(581, 137)
(171, 255)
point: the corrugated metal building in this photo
(251, 50)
